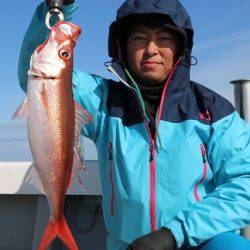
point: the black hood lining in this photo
(172, 10)
(125, 25)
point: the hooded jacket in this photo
(193, 178)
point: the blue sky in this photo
(222, 43)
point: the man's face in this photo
(151, 53)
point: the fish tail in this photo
(49, 235)
(65, 234)
(58, 229)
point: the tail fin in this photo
(58, 229)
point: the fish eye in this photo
(64, 54)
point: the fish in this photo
(54, 121)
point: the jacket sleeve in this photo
(36, 35)
(90, 91)
(227, 208)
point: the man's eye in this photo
(139, 38)
(165, 38)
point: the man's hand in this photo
(161, 239)
(66, 2)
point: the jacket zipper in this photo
(111, 179)
(153, 146)
(152, 150)
(203, 153)
(152, 179)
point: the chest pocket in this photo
(204, 165)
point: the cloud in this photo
(239, 36)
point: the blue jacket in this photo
(194, 178)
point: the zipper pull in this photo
(151, 151)
(203, 152)
(110, 151)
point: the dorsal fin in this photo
(22, 111)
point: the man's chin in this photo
(152, 80)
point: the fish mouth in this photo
(44, 77)
(45, 70)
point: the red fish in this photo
(54, 124)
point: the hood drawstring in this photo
(135, 85)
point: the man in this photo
(174, 156)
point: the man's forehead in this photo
(144, 28)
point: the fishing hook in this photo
(49, 14)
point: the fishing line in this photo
(93, 209)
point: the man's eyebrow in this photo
(145, 31)
(138, 30)
(162, 30)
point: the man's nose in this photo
(152, 48)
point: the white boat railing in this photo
(13, 179)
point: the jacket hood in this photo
(172, 9)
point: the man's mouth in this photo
(150, 63)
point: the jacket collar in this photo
(180, 78)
